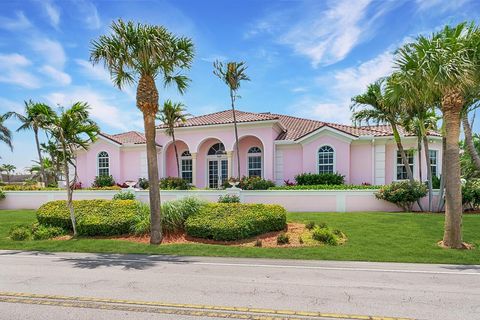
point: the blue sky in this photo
(305, 58)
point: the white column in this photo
(194, 168)
(380, 167)
(229, 163)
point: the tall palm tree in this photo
(51, 148)
(37, 116)
(467, 131)
(73, 130)
(8, 169)
(5, 133)
(171, 114)
(444, 66)
(232, 73)
(380, 109)
(48, 167)
(141, 53)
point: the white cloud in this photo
(19, 22)
(440, 6)
(299, 89)
(58, 76)
(13, 71)
(89, 14)
(102, 110)
(309, 107)
(97, 72)
(10, 105)
(52, 12)
(213, 57)
(51, 51)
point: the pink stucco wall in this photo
(361, 163)
(292, 161)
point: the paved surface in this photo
(37, 285)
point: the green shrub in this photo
(471, 194)
(42, 232)
(435, 182)
(283, 238)
(324, 235)
(94, 217)
(143, 183)
(124, 195)
(322, 225)
(235, 221)
(327, 187)
(255, 183)
(310, 225)
(103, 181)
(308, 179)
(20, 233)
(2, 195)
(229, 198)
(174, 214)
(402, 193)
(104, 188)
(174, 183)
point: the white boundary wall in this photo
(292, 200)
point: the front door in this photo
(217, 172)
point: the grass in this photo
(394, 237)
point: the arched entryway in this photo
(252, 157)
(217, 166)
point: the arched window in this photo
(186, 166)
(103, 164)
(326, 160)
(216, 149)
(254, 162)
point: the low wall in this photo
(292, 200)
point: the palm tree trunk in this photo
(452, 104)
(147, 102)
(237, 147)
(441, 201)
(398, 140)
(469, 141)
(40, 158)
(69, 187)
(176, 153)
(429, 172)
(419, 146)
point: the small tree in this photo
(73, 130)
(8, 169)
(232, 73)
(171, 114)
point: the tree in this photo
(140, 53)
(5, 133)
(469, 169)
(171, 114)
(467, 131)
(51, 148)
(47, 168)
(232, 73)
(37, 116)
(444, 66)
(9, 169)
(73, 130)
(378, 108)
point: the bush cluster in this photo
(143, 183)
(104, 188)
(24, 187)
(43, 232)
(327, 187)
(124, 195)
(94, 217)
(174, 214)
(255, 183)
(402, 193)
(174, 183)
(103, 181)
(235, 221)
(283, 238)
(309, 179)
(20, 233)
(229, 198)
(2, 194)
(325, 235)
(471, 194)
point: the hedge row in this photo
(94, 217)
(235, 221)
(327, 187)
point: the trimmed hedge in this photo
(327, 187)
(94, 217)
(402, 193)
(174, 183)
(235, 221)
(308, 179)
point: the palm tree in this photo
(380, 109)
(232, 73)
(51, 148)
(48, 168)
(467, 131)
(5, 133)
(445, 68)
(36, 117)
(9, 169)
(171, 114)
(73, 130)
(140, 53)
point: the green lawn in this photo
(397, 237)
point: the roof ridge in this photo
(299, 118)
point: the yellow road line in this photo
(102, 303)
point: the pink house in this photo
(274, 146)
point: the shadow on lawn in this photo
(137, 262)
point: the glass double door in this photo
(217, 172)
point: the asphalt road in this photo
(37, 285)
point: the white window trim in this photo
(214, 157)
(334, 158)
(415, 164)
(181, 164)
(98, 163)
(439, 163)
(255, 155)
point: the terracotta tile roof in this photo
(130, 137)
(224, 117)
